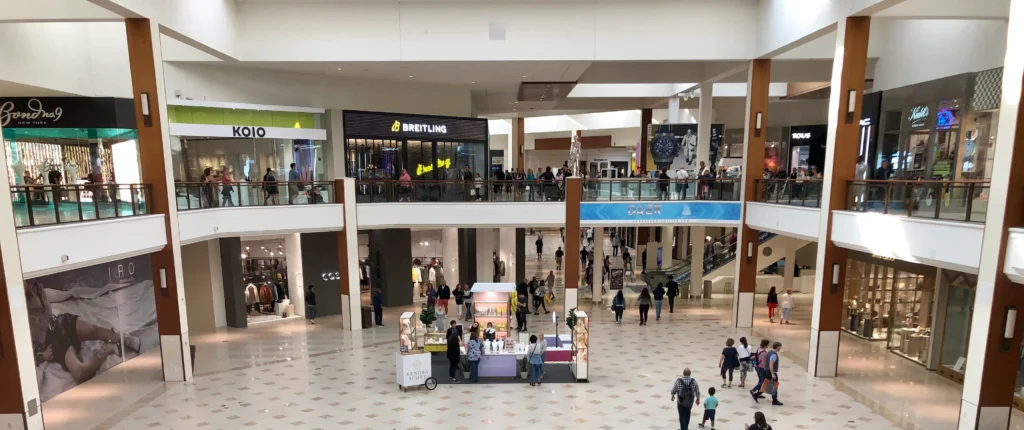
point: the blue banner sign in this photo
(694, 212)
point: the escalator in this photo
(680, 272)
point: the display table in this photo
(501, 365)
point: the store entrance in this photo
(265, 273)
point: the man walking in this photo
(672, 291)
(293, 184)
(558, 258)
(686, 393)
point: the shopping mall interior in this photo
(395, 214)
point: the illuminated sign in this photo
(918, 116)
(643, 210)
(945, 118)
(806, 135)
(441, 164)
(418, 128)
(865, 122)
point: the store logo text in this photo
(241, 131)
(34, 114)
(418, 128)
(643, 210)
(802, 135)
(441, 164)
(918, 113)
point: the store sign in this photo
(441, 164)
(246, 132)
(707, 212)
(330, 276)
(918, 116)
(806, 135)
(67, 112)
(243, 131)
(398, 126)
(945, 118)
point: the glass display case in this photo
(580, 346)
(493, 307)
(406, 333)
(912, 315)
(435, 342)
(867, 295)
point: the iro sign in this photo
(244, 131)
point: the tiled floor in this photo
(289, 374)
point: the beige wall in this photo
(204, 286)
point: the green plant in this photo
(464, 363)
(524, 365)
(428, 315)
(570, 319)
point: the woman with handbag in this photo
(534, 356)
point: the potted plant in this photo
(570, 319)
(524, 368)
(427, 317)
(464, 364)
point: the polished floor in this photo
(290, 374)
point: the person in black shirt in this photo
(311, 305)
(760, 422)
(663, 186)
(443, 295)
(673, 291)
(377, 301)
(540, 247)
(558, 259)
(643, 262)
(583, 257)
(453, 353)
(659, 295)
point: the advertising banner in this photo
(86, 321)
(675, 145)
(697, 212)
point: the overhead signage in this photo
(441, 164)
(67, 112)
(918, 116)
(382, 125)
(805, 135)
(245, 131)
(695, 212)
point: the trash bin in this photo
(707, 289)
(367, 316)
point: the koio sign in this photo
(246, 131)
(242, 131)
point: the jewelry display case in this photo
(580, 346)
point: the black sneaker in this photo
(754, 395)
(776, 403)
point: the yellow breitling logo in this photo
(396, 127)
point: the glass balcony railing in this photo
(38, 205)
(792, 192)
(206, 195)
(945, 200)
(635, 189)
(388, 191)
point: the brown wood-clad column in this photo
(520, 144)
(151, 156)
(13, 399)
(571, 263)
(646, 117)
(842, 167)
(760, 78)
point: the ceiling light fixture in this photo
(410, 76)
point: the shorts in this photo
(442, 302)
(709, 414)
(62, 335)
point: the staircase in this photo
(720, 262)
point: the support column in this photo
(519, 134)
(521, 254)
(146, 61)
(758, 79)
(673, 110)
(646, 115)
(450, 255)
(667, 234)
(508, 254)
(696, 261)
(643, 235)
(296, 280)
(234, 289)
(486, 246)
(348, 256)
(790, 271)
(704, 118)
(19, 404)
(467, 256)
(391, 265)
(841, 150)
(572, 243)
(992, 361)
(598, 263)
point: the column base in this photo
(22, 421)
(352, 313)
(743, 310)
(992, 417)
(571, 299)
(823, 361)
(176, 357)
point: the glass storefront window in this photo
(71, 155)
(958, 312)
(247, 159)
(912, 315)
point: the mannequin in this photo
(19, 171)
(71, 169)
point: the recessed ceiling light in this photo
(473, 82)
(339, 68)
(524, 76)
(410, 76)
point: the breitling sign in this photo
(398, 126)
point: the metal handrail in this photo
(632, 189)
(434, 190)
(206, 195)
(49, 204)
(793, 192)
(946, 200)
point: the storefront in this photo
(70, 140)
(806, 145)
(942, 129)
(379, 145)
(892, 301)
(265, 277)
(957, 291)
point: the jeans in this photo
(474, 367)
(460, 309)
(643, 313)
(684, 415)
(310, 312)
(469, 310)
(615, 250)
(378, 315)
(785, 313)
(760, 379)
(538, 302)
(535, 371)
(657, 309)
(618, 314)
(671, 303)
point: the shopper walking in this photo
(583, 257)
(686, 393)
(644, 303)
(615, 244)
(225, 189)
(311, 305)
(659, 295)
(710, 405)
(786, 302)
(474, 350)
(467, 296)
(760, 422)
(206, 191)
(618, 305)
(404, 186)
(453, 353)
(663, 180)
(521, 311)
(773, 371)
(627, 260)
(744, 352)
(538, 298)
(558, 259)
(672, 290)
(458, 294)
(444, 293)
(293, 184)
(729, 361)
(540, 246)
(270, 187)
(431, 295)
(773, 302)
(759, 361)
(533, 354)
(377, 301)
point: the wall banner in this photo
(692, 212)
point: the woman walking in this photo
(659, 295)
(729, 361)
(533, 356)
(453, 353)
(431, 295)
(618, 305)
(226, 189)
(744, 351)
(474, 349)
(644, 302)
(773, 302)
(458, 293)
(467, 296)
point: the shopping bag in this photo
(770, 387)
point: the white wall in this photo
(507, 251)
(787, 23)
(786, 220)
(450, 255)
(487, 241)
(467, 215)
(426, 243)
(204, 286)
(205, 224)
(922, 50)
(89, 243)
(209, 24)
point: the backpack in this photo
(762, 359)
(686, 397)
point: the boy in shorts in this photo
(710, 403)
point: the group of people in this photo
(682, 177)
(226, 182)
(785, 302)
(475, 351)
(539, 292)
(686, 393)
(440, 299)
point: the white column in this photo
(696, 260)
(450, 255)
(598, 262)
(673, 110)
(351, 304)
(507, 251)
(512, 152)
(973, 415)
(790, 271)
(667, 233)
(486, 244)
(704, 125)
(296, 285)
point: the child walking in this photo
(729, 361)
(710, 404)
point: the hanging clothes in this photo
(251, 295)
(416, 277)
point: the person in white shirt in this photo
(786, 302)
(744, 351)
(860, 174)
(681, 187)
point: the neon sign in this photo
(945, 118)
(441, 164)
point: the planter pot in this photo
(524, 375)
(465, 375)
